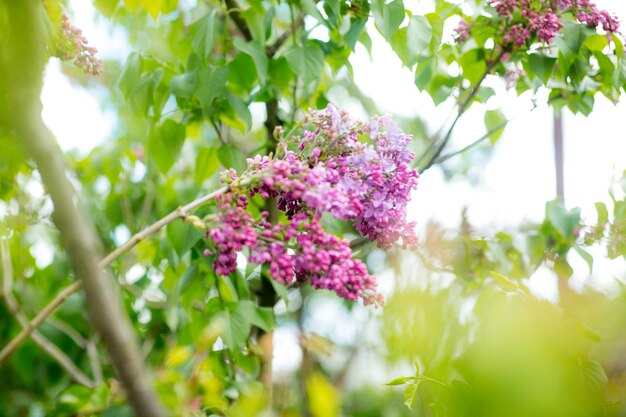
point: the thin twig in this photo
(240, 22)
(39, 318)
(94, 361)
(490, 132)
(40, 340)
(462, 108)
(69, 332)
(273, 48)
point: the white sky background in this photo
(515, 183)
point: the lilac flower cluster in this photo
(463, 31)
(354, 171)
(368, 184)
(73, 45)
(525, 20)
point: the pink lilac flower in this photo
(517, 35)
(354, 171)
(525, 20)
(73, 45)
(511, 76)
(232, 233)
(462, 31)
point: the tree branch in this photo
(40, 340)
(462, 109)
(240, 22)
(38, 319)
(273, 48)
(24, 68)
(490, 132)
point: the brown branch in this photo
(240, 22)
(23, 70)
(273, 48)
(38, 319)
(484, 137)
(40, 340)
(181, 212)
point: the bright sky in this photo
(514, 184)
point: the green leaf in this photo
(354, 33)
(410, 393)
(401, 380)
(436, 22)
(280, 289)
(211, 83)
(257, 52)
(131, 72)
(562, 267)
(281, 73)
(165, 144)
(473, 64)
(587, 331)
(184, 85)
(388, 17)
(241, 72)
(400, 46)
(536, 245)
(182, 236)
(237, 329)
(541, 66)
(419, 35)
(232, 157)
(495, 121)
(619, 46)
(241, 109)
(185, 281)
(311, 9)
(596, 42)
(574, 35)
(262, 317)
(505, 283)
(142, 96)
(227, 290)
(603, 213)
(207, 162)
(564, 221)
(424, 72)
(307, 61)
(154, 7)
(594, 375)
(204, 37)
(586, 257)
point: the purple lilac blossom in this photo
(526, 19)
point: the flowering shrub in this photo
(354, 171)
(524, 21)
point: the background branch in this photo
(462, 109)
(484, 137)
(180, 212)
(40, 340)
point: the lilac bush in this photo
(355, 171)
(524, 21)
